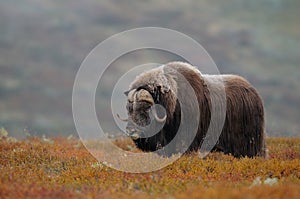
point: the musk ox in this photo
(243, 132)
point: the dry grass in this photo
(63, 168)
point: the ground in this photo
(63, 168)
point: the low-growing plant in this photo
(62, 167)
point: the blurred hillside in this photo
(42, 44)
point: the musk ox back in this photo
(243, 131)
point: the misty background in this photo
(43, 43)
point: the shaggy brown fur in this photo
(243, 131)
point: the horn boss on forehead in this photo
(243, 133)
(144, 95)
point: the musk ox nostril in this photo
(128, 131)
(134, 136)
(132, 133)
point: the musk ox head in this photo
(143, 115)
(150, 103)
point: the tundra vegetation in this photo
(63, 168)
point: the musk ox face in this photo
(144, 117)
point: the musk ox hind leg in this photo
(243, 134)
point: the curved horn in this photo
(122, 119)
(157, 118)
(130, 95)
